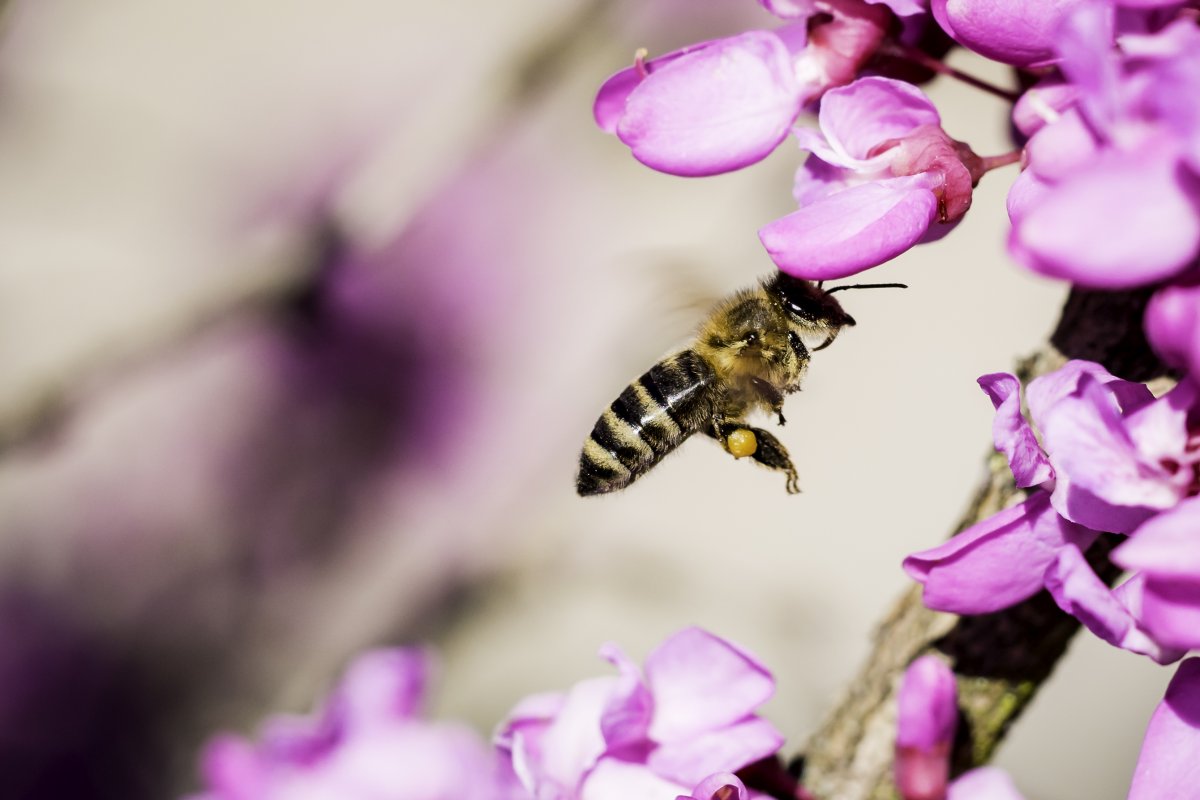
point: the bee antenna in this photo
(867, 286)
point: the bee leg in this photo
(769, 452)
(771, 396)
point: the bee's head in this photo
(813, 312)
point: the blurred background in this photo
(305, 312)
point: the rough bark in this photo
(1000, 659)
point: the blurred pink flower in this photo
(368, 742)
(691, 714)
(927, 715)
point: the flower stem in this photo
(989, 163)
(897, 50)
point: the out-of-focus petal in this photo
(1063, 148)
(1166, 551)
(1173, 325)
(613, 779)
(1019, 33)
(1087, 231)
(1026, 192)
(1167, 765)
(233, 770)
(610, 101)
(731, 748)
(1080, 593)
(721, 786)
(381, 686)
(1012, 433)
(852, 230)
(627, 715)
(791, 9)
(997, 562)
(1043, 104)
(858, 117)
(561, 750)
(701, 682)
(715, 109)
(984, 783)
(927, 709)
(927, 714)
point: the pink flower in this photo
(1167, 765)
(660, 732)
(724, 104)
(1114, 458)
(882, 171)
(367, 743)
(1123, 133)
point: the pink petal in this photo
(1043, 104)
(1045, 392)
(1167, 766)
(1020, 33)
(1165, 552)
(817, 179)
(1088, 231)
(1062, 148)
(382, 686)
(927, 708)
(715, 109)
(721, 786)
(1012, 433)
(1103, 481)
(614, 92)
(1080, 593)
(701, 682)
(791, 9)
(858, 117)
(627, 715)
(984, 783)
(1166, 545)
(997, 562)
(852, 230)
(722, 750)
(1173, 325)
(623, 780)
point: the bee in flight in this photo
(750, 353)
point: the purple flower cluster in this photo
(680, 728)
(1111, 458)
(1105, 124)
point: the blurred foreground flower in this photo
(1123, 133)
(657, 733)
(368, 741)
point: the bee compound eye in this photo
(750, 338)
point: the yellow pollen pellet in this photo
(741, 443)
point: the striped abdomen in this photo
(654, 414)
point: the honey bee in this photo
(751, 351)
